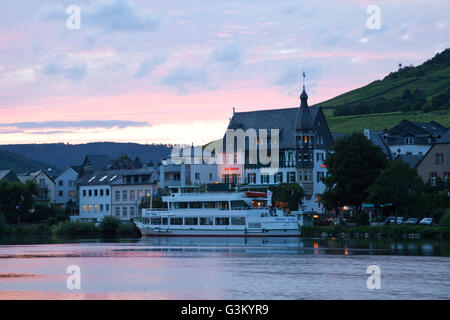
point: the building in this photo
(95, 195)
(413, 138)
(66, 186)
(128, 190)
(192, 171)
(376, 136)
(304, 139)
(8, 175)
(436, 162)
(94, 163)
(46, 185)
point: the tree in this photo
(156, 202)
(17, 198)
(353, 165)
(398, 184)
(290, 193)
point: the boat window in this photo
(145, 220)
(223, 204)
(156, 221)
(206, 221)
(176, 221)
(165, 221)
(181, 205)
(254, 225)
(195, 205)
(238, 221)
(191, 221)
(222, 221)
(239, 204)
(210, 204)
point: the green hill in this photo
(422, 88)
(18, 163)
(419, 93)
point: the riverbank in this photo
(107, 228)
(387, 231)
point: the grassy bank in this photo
(377, 231)
(108, 227)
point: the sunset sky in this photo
(169, 71)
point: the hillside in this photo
(62, 155)
(423, 88)
(19, 163)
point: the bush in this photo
(109, 225)
(445, 219)
(71, 228)
(2, 224)
(129, 229)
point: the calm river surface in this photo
(222, 268)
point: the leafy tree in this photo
(156, 202)
(290, 193)
(17, 198)
(353, 165)
(109, 225)
(398, 184)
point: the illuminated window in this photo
(84, 208)
(439, 158)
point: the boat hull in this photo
(220, 233)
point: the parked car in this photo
(426, 221)
(400, 220)
(389, 220)
(412, 221)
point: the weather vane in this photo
(304, 78)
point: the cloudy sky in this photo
(171, 71)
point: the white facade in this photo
(413, 149)
(66, 187)
(95, 202)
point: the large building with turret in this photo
(304, 138)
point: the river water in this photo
(225, 268)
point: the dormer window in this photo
(408, 139)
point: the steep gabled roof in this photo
(445, 138)
(412, 159)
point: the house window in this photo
(84, 193)
(408, 140)
(90, 208)
(84, 208)
(210, 176)
(90, 193)
(101, 208)
(96, 208)
(60, 183)
(70, 193)
(264, 178)
(70, 183)
(60, 193)
(439, 158)
(96, 192)
(107, 192)
(107, 207)
(147, 193)
(291, 177)
(279, 177)
(101, 192)
(446, 175)
(197, 176)
(132, 194)
(251, 178)
(124, 212)
(320, 156)
(117, 211)
(124, 195)
(320, 175)
(140, 194)
(132, 211)
(117, 196)
(433, 179)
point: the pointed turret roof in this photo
(304, 120)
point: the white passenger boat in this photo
(225, 214)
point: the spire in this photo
(304, 118)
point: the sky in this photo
(164, 71)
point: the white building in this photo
(66, 186)
(95, 195)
